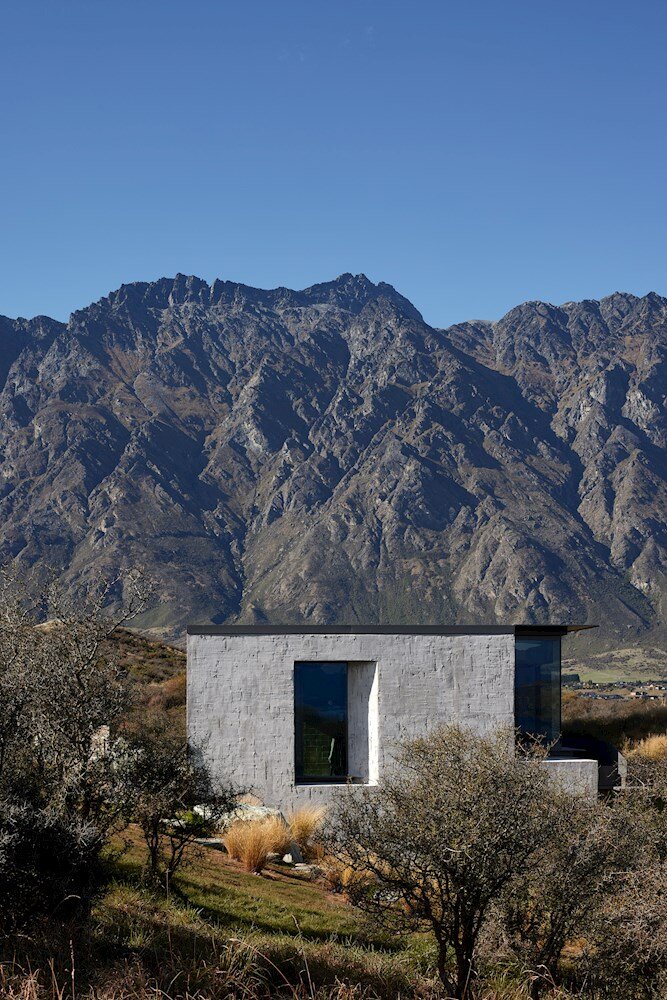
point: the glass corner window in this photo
(537, 687)
(320, 717)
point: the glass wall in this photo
(537, 686)
(320, 716)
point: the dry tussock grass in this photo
(238, 971)
(341, 877)
(651, 748)
(236, 977)
(252, 841)
(279, 833)
(304, 824)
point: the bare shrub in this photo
(457, 823)
(590, 852)
(170, 794)
(627, 958)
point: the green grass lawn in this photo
(280, 926)
(282, 900)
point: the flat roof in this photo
(307, 629)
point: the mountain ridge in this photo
(326, 454)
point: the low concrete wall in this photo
(579, 776)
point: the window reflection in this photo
(320, 712)
(537, 687)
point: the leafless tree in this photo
(456, 824)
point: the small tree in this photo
(170, 795)
(60, 784)
(627, 929)
(455, 825)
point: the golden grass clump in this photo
(278, 833)
(304, 824)
(652, 748)
(233, 839)
(249, 842)
(341, 877)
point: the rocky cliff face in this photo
(326, 454)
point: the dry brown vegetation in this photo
(305, 824)
(622, 723)
(253, 841)
(652, 748)
(159, 678)
(250, 842)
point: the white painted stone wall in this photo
(240, 699)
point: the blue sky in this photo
(472, 154)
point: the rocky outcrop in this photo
(326, 454)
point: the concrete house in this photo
(294, 714)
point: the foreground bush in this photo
(454, 826)
(581, 875)
(61, 787)
(475, 842)
(169, 793)
(49, 863)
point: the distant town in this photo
(649, 690)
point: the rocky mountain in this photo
(325, 454)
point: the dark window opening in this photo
(537, 687)
(320, 716)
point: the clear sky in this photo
(474, 154)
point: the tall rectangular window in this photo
(537, 686)
(320, 716)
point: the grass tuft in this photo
(304, 824)
(251, 843)
(651, 748)
(279, 833)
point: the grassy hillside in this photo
(221, 933)
(598, 656)
(158, 671)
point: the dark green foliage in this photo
(49, 864)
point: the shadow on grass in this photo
(172, 938)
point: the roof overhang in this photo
(306, 629)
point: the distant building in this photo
(293, 714)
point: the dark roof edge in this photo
(238, 630)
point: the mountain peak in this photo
(348, 291)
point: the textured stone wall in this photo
(578, 776)
(241, 698)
